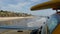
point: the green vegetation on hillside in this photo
(13, 14)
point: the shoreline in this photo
(13, 18)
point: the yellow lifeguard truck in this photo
(53, 23)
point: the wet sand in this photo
(15, 32)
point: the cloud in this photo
(15, 7)
(35, 0)
(19, 4)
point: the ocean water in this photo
(18, 22)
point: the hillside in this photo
(13, 14)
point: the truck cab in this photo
(52, 25)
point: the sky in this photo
(24, 7)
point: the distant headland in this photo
(12, 14)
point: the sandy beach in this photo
(12, 18)
(15, 32)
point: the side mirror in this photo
(48, 17)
